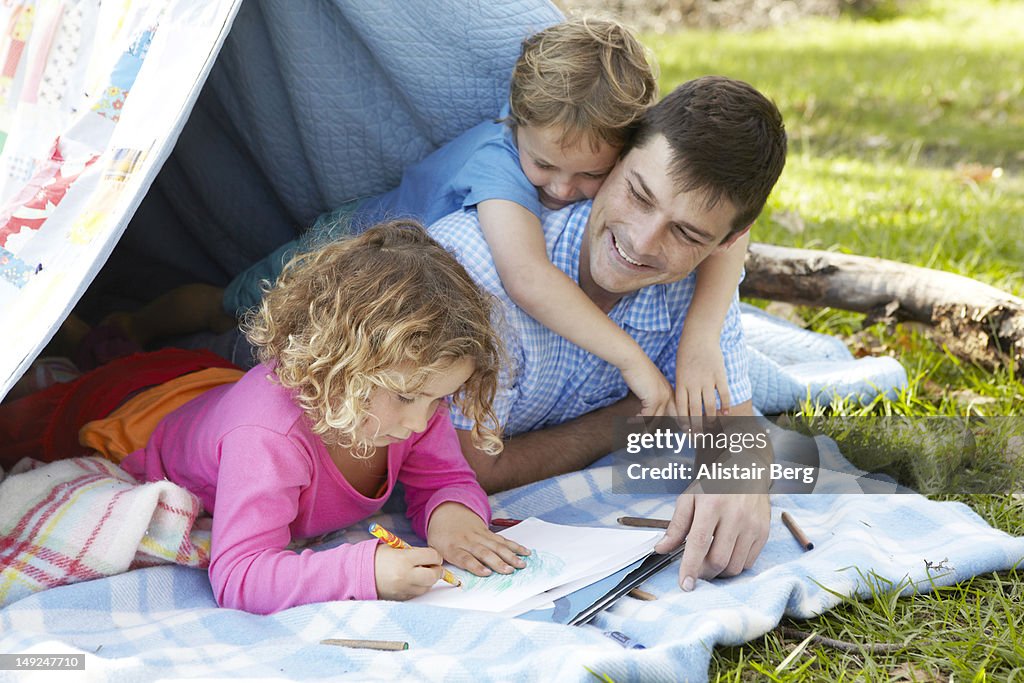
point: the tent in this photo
(147, 143)
(196, 136)
(204, 133)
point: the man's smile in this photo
(623, 255)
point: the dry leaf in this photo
(971, 399)
(876, 141)
(977, 173)
(790, 220)
(916, 674)
(1014, 449)
(786, 311)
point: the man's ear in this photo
(731, 239)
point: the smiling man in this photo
(693, 179)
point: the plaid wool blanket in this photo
(85, 518)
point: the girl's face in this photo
(562, 175)
(395, 416)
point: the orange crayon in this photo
(397, 543)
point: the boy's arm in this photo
(516, 241)
(699, 365)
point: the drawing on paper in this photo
(540, 564)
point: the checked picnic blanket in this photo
(162, 622)
(85, 518)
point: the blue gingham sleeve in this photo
(459, 232)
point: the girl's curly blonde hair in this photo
(343, 317)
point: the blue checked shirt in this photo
(549, 380)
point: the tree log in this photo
(976, 322)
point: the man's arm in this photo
(548, 452)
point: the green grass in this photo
(907, 143)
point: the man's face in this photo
(642, 231)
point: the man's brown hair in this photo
(727, 140)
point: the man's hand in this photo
(724, 534)
(463, 539)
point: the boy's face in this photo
(642, 231)
(562, 175)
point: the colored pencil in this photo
(641, 594)
(391, 645)
(797, 532)
(395, 542)
(644, 522)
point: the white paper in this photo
(561, 555)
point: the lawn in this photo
(906, 142)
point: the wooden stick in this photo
(644, 522)
(390, 645)
(874, 648)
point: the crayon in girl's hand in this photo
(504, 522)
(397, 543)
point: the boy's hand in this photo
(404, 574)
(700, 369)
(463, 539)
(654, 391)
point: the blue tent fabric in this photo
(312, 103)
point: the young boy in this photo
(577, 89)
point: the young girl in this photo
(362, 344)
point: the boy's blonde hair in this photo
(342, 318)
(589, 76)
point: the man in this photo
(693, 179)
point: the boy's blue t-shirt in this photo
(480, 164)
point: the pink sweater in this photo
(246, 450)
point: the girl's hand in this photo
(700, 370)
(465, 541)
(650, 386)
(404, 574)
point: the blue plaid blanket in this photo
(163, 623)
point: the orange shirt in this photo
(128, 428)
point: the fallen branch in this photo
(845, 646)
(974, 321)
